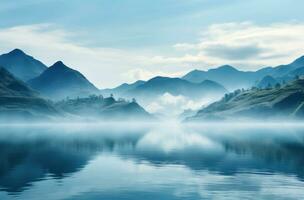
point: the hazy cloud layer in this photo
(234, 52)
(103, 66)
(245, 45)
(176, 104)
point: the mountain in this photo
(226, 75)
(21, 65)
(121, 89)
(232, 78)
(60, 81)
(291, 75)
(267, 81)
(97, 107)
(175, 86)
(10, 86)
(283, 70)
(17, 100)
(284, 102)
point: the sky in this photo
(117, 41)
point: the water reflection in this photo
(158, 162)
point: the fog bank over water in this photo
(172, 106)
(159, 124)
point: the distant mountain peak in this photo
(59, 64)
(158, 78)
(17, 52)
(60, 81)
(130, 84)
(21, 65)
(164, 80)
(121, 89)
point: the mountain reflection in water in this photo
(152, 162)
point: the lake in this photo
(152, 161)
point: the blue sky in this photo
(114, 41)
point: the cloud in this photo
(245, 44)
(103, 66)
(185, 46)
(176, 104)
(239, 52)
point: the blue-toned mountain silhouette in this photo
(278, 91)
(19, 102)
(176, 86)
(284, 70)
(232, 78)
(60, 81)
(122, 89)
(21, 65)
(147, 92)
(226, 75)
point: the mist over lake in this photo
(153, 161)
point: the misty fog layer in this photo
(173, 106)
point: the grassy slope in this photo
(277, 102)
(18, 100)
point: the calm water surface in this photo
(151, 162)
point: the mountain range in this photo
(23, 99)
(148, 91)
(19, 102)
(122, 89)
(176, 86)
(60, 81)
(232, 79)
(193, 86)
(26, 79)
